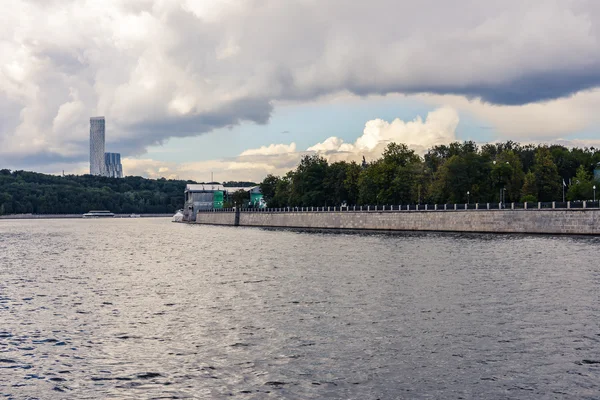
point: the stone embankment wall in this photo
(580, 222)
(217, 218)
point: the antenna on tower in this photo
(212, 179)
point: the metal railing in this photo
(569, 205)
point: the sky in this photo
(243, 88)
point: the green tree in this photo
(436, 156)
(507, 173)
(547, 179)
(582, 186)
(282, 192)
(460, 174)
(240, 198)
(268, 187)
(334, 184)
(238, 184)
(353, 171)
(567, 161)
(368, 183)
(527, 156)
(393, 179)
(530, 190)
(307, 185)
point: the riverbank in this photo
(65, 216)
(539, 221)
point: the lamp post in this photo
(504, 193)
(468, 194)
(501, 180)
(594, 193)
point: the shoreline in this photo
(75, 216)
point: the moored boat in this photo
(98, 214)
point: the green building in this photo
(200, 197)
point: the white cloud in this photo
(438, 128)
(330, 144)
(270, 150)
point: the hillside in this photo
(24, 192)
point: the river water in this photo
(145, 308)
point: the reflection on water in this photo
(146, 308)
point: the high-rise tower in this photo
(97, 166)
(112, 162)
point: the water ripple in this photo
(129, 309)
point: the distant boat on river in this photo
(99, 214)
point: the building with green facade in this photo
(200, 197)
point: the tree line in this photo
(454, 173)
(23, 192)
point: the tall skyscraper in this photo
(97, 165)
(112, 161)
(101, 163)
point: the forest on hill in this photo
(454, 173)
(23, 192)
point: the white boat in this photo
(135, 216)
(98, 214)
(178, 217)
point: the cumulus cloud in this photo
(159, 69)
(271, 149)
(438, 128)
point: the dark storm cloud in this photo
(530, 88)
(537, 87)
(39, 161)
(153, 132)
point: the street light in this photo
(501, 180)
(504, 190)
(594, 192)
(468, 193)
